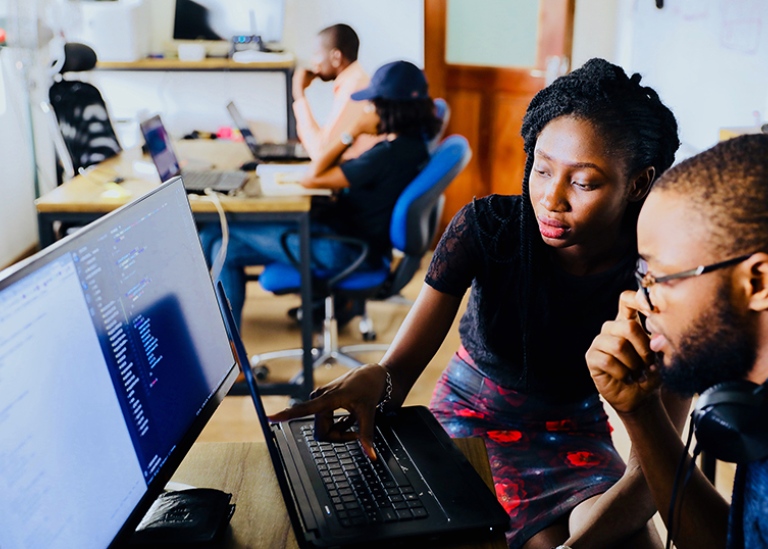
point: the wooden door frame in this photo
(484, 175)
(554, 36)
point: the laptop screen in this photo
(159, 147)
(113, 355)
(245, 130)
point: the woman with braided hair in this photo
(545, 271)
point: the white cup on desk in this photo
(191, 52)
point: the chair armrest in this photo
(362, 256)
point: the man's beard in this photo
(719, 347)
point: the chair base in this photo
(320, 357)
(329, 353)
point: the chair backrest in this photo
(443, 112)
(417, 212)
(81, 112)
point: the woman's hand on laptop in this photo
(358, 392)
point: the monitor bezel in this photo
(156, 486)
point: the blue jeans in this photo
(259, 244)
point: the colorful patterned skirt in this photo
(546, 458)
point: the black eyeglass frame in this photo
(646, 280)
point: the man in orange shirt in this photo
(334, 59)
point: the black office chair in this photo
(412, 229)
(81, 114)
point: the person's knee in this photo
(549, 537)
(579, 515)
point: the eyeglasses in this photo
(646, 279)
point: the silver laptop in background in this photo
(265, 151)
(167, 163)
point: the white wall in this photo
(24, 166)
(594, 31)
(708, 59)
(18, 226)
(190, 101)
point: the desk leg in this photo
(290, 118)
(306, 305)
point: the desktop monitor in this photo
(113, 355)
(223, 19)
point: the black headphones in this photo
(731, 421)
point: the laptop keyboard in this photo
(363, 491)
(277, 149)
(216, 180)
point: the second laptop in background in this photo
(265, 151)
(167, 163)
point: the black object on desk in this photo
(195, 517)
(250, 166)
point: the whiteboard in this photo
(708, 59)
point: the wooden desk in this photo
(85, 198)
(261, 519)
(280, 65)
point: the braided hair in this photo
(640, 128)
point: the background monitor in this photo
(113, 356)
(223, 19)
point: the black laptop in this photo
(167, 163)
(421, 489)
(266, 151)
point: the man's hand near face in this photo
(302, 78)
(620, 360)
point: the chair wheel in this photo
(369, 336)
(261, 372)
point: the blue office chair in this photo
(413, 226)
(443, 112)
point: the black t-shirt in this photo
(376, 180)
(479, 249)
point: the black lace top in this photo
(479, 249)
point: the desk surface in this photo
(94, 192)
(261, 519)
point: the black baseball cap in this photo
(398, 81)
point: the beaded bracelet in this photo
(387, 393)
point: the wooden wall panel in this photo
(507, 158)
(488, 103)
(465, 120)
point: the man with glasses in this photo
(698, 321)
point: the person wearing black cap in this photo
(402, 112)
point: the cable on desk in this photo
(218, 263)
